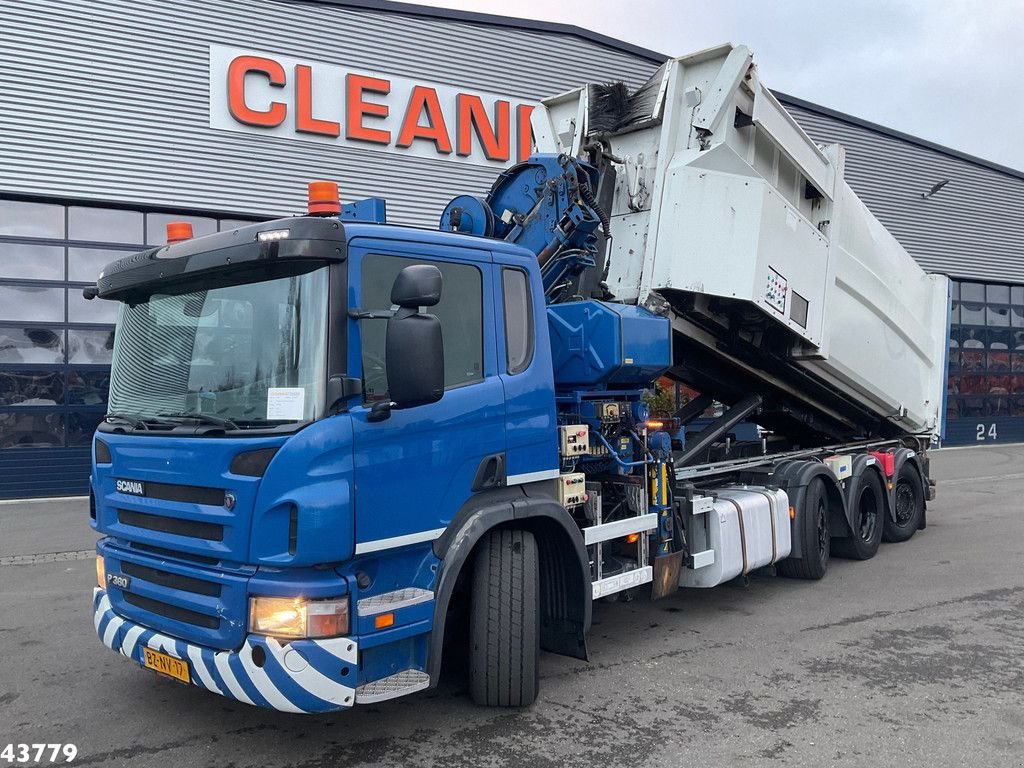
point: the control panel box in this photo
(841, 465)
(572, 489)
(573, 440)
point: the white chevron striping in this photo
(131, 637)
(112, 626)
(221, 662)
(264, 684)
(199, 666)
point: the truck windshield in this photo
(250, 355)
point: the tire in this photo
(908, 504)
(868, 504)
(504, 632)
(814, 536)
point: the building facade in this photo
(122, 115)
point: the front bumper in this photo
(302, 676)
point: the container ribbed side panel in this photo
(110, 101)
(973, 227)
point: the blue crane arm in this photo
(547, 205)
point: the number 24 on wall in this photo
(984, 434)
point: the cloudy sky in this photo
(951, 71)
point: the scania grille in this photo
(176, 525)
(179, 599)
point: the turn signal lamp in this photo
(633, 538)
(101, 572)
(384, 620)
(323, 198)
(297, 617)
(178, 231)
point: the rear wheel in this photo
(869, 518)
(814, 536)
(504, 632)
(908, 503)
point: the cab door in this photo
(415, 468)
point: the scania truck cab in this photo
(284, 453)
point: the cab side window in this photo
(460, 311)
(515, 289)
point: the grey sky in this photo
(947, 70)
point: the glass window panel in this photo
(81, 427)
(954, 313)
(85, 264)
(31, 345)
(104, 225)
(88, 387)
(31, 429)
(997, 316)
(998, 294)
(32, 262)
(31, 388)
(1017, 317)
(156, 226)
(31, 219)
(972, 313)
(518, 319)
(97, 311)
(90, 347)
(1017, 294)
(235, 223)
(460, 311)
(972, 292)
(954, 289)
(31, 303)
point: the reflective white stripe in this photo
(314, 682)
(131, 637)
(339, 647)
(398, 541)
(221, 662)
(532, 477)
(263, 684)
(112, 626)
(199, 666)
(163, 643)
(101, 609)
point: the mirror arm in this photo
(380, 411)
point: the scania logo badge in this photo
(131, 487)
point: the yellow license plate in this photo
(166, 665)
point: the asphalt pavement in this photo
(915, 658)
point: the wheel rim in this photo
(868, 522)
(905, 503)
(822, 530)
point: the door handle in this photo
(490, 473)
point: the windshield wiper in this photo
(204, 418)
(132, 421)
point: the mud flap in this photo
(666, 575)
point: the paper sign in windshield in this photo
(286, 403)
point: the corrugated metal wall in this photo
(110, 100)
(972, 228)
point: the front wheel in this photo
(504, 632)
(908, 503)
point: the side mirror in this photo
(413, 347)
(417, 286)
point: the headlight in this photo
(101, 572)
(298, 617)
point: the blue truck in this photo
(337, 445)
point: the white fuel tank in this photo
(747, 528)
